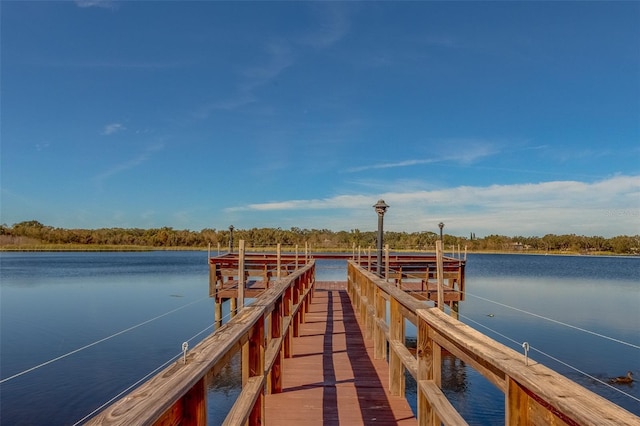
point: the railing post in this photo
(396, 334)
(256, 368)
(213, 279)
(195, 405)
(355, 289)
(301, 286)
(517, 404)
(278, 261)
(275, 375)
(440, 273)
(429, 369)
(309, 284)
(366, 302)
(295, 300)
(379, 340)
(352, 285)
(360, 289)
(386, 262)
(233, 306)
(241, 274)
(288, 333)
(217, 316)
(213, 292)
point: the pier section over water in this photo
(347, 379)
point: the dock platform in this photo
(332, 377)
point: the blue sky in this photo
(508, 118)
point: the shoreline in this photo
(79, 248)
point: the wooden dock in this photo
(319, 354)
(332, 377)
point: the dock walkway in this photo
(332, 377)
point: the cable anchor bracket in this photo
(185, 346)
(525, 346)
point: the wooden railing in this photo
(534, 394)
(262, 331)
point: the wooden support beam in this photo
(195, 405)
(396, 334)
(386, 261)
(242, 278)
(440, 275)
(213, 279)
(288, 318)
(379, 339)
(217, 316)
(278, 261)
(256, 370)
(277, 317)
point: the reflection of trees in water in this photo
(223, 390)
(228, 380)
(454, 373)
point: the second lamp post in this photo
(231, 239)
(381, 207)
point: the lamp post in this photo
(380, 207)
(231, 239)
(441, 225)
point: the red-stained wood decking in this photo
(332, 377)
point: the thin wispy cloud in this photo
(103, 4)
(338, 202)
(333, 25)
(462, 156)
(278, 57)
(113, 128)
(405, 163)
(129, 164)
(42, 146)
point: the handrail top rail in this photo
(585, 407)
(148, 402)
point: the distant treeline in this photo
(32, 233)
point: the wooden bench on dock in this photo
(421, 282)
(256, 279)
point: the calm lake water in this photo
(53, 304)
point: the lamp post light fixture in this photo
(231, 239)
(381, 208)
(441, 225)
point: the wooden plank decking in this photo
(332, 377)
